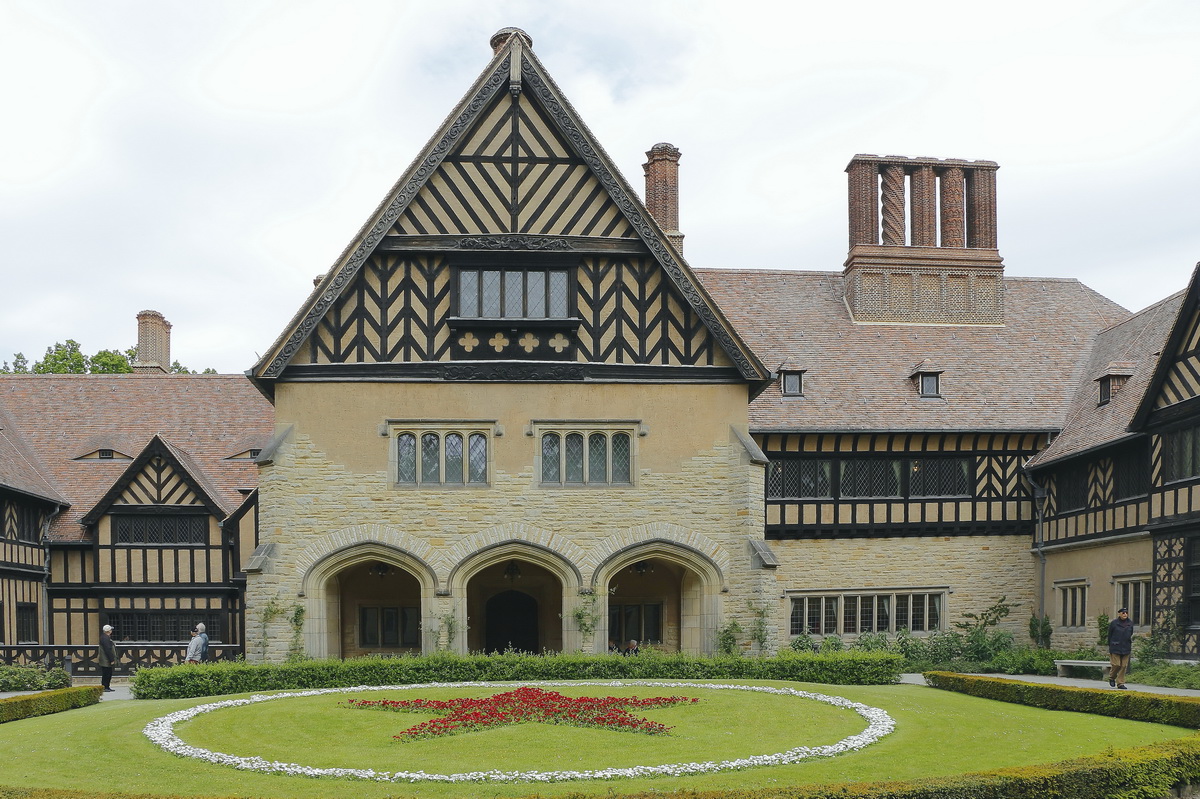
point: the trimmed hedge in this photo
(32, 678)
(216, 679)
(14, 708)
(1144, 771)
(1179, 711)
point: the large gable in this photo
(511, 199)
(1174, 389)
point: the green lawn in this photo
(937, 733)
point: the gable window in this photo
(446, 457)
(160, 530)
(792, 383)
(513, 293)
(588, 455)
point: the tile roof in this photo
(19, 469)
(58, 418)
(1016, 376)
(1134, 346)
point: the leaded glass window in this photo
(162, 530)
(870, 478)
(939, 477)
(488, 293)
(594, 458)
(447, 458)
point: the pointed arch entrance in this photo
(515, 598)
(366, 599)
(660, 594)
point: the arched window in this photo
(443, 457)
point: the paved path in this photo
(917, 679)
(121, 689)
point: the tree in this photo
(62, 359)
(20, 365)
(109, 362)
(69, 359)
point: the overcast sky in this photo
(208, 159)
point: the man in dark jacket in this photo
(1120, 644)
(107, 657)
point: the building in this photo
(512, 415)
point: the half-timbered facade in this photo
(134, 513)
(511, 415)
(1120, 484)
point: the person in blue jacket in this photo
(1120, 645)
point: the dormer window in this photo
(927, 378)
(254, 453)
(792, 383)
(1115, 376)
(105, 454)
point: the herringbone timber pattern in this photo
(158, 484)
(513, 174)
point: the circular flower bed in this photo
(162, 732)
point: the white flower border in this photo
(162, 732)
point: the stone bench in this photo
(1104, 666)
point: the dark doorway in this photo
(512, 623)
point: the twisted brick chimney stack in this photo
(923, 241)
(154, 344)
(662, 189)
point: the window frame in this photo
(1136, 592)
(1072, 604)
(175, 513)
(831, 610)
(26, 615)
(129, 622)
(587, 431)
(408, 627)
(787, 376)
(523, 264)
(832, 469)
(929, 384)
(467, 431)
(1181, 454)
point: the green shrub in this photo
(1179, 711)
(831, 643)
(215, 679)
(14, 708)
(32, 678)
(803, 643)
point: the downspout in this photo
(46, 571)
(1039, 505)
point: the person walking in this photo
(1120, 645)
(107, 657)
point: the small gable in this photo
(160, 475)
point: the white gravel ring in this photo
(162, 732)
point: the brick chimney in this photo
(154, 344)
(923, 241)
(662, 189)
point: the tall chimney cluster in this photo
(923, 241)
(154, 344)
(662, 189)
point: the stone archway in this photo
(534, 623)
(366, 598)
(661, 594)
